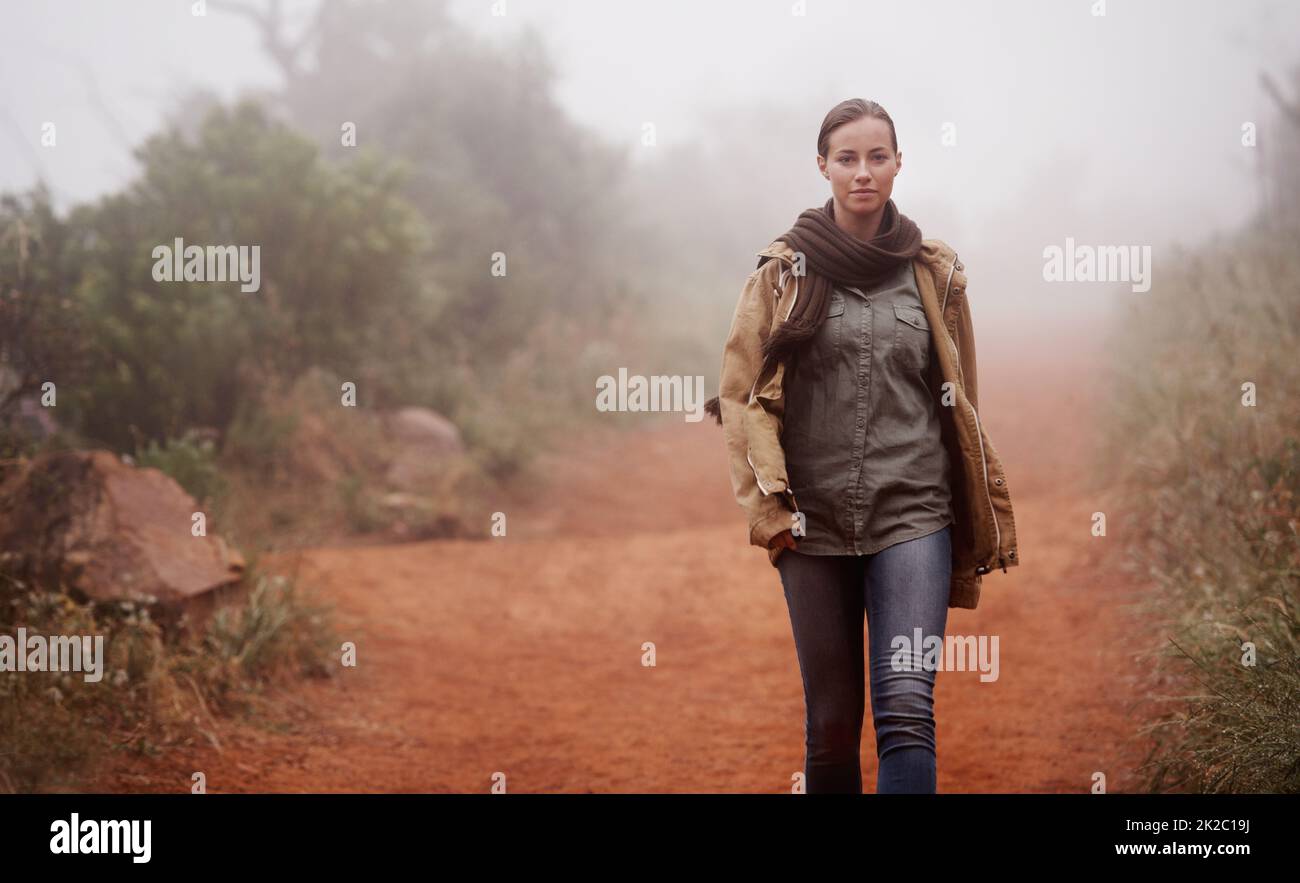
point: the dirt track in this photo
(523, 654)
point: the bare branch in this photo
(269, 20)
(1288, 108)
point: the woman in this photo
(848, 399)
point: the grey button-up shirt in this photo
(861, 432)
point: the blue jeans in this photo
(901, 588)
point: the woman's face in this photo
(861, 164)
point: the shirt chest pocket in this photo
(827, 339)
(911, 348)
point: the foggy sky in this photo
(1118, 129)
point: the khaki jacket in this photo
(752, 407)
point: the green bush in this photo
(339, 279)
(190, 461)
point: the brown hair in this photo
(846, 112)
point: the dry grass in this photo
(1210, 519)
(159, 688)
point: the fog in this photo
(1123, 128)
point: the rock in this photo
(422, 439)
(426, 427)
(109, 531)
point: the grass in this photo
(160, 688)
(1211, 484)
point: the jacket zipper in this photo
(979, 432)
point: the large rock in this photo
(426, 427)
(422, 440)
(108, 531)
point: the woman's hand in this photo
(784, 538)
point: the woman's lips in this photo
(862, 192)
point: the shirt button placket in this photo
(859, 437)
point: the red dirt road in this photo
(523, 654)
